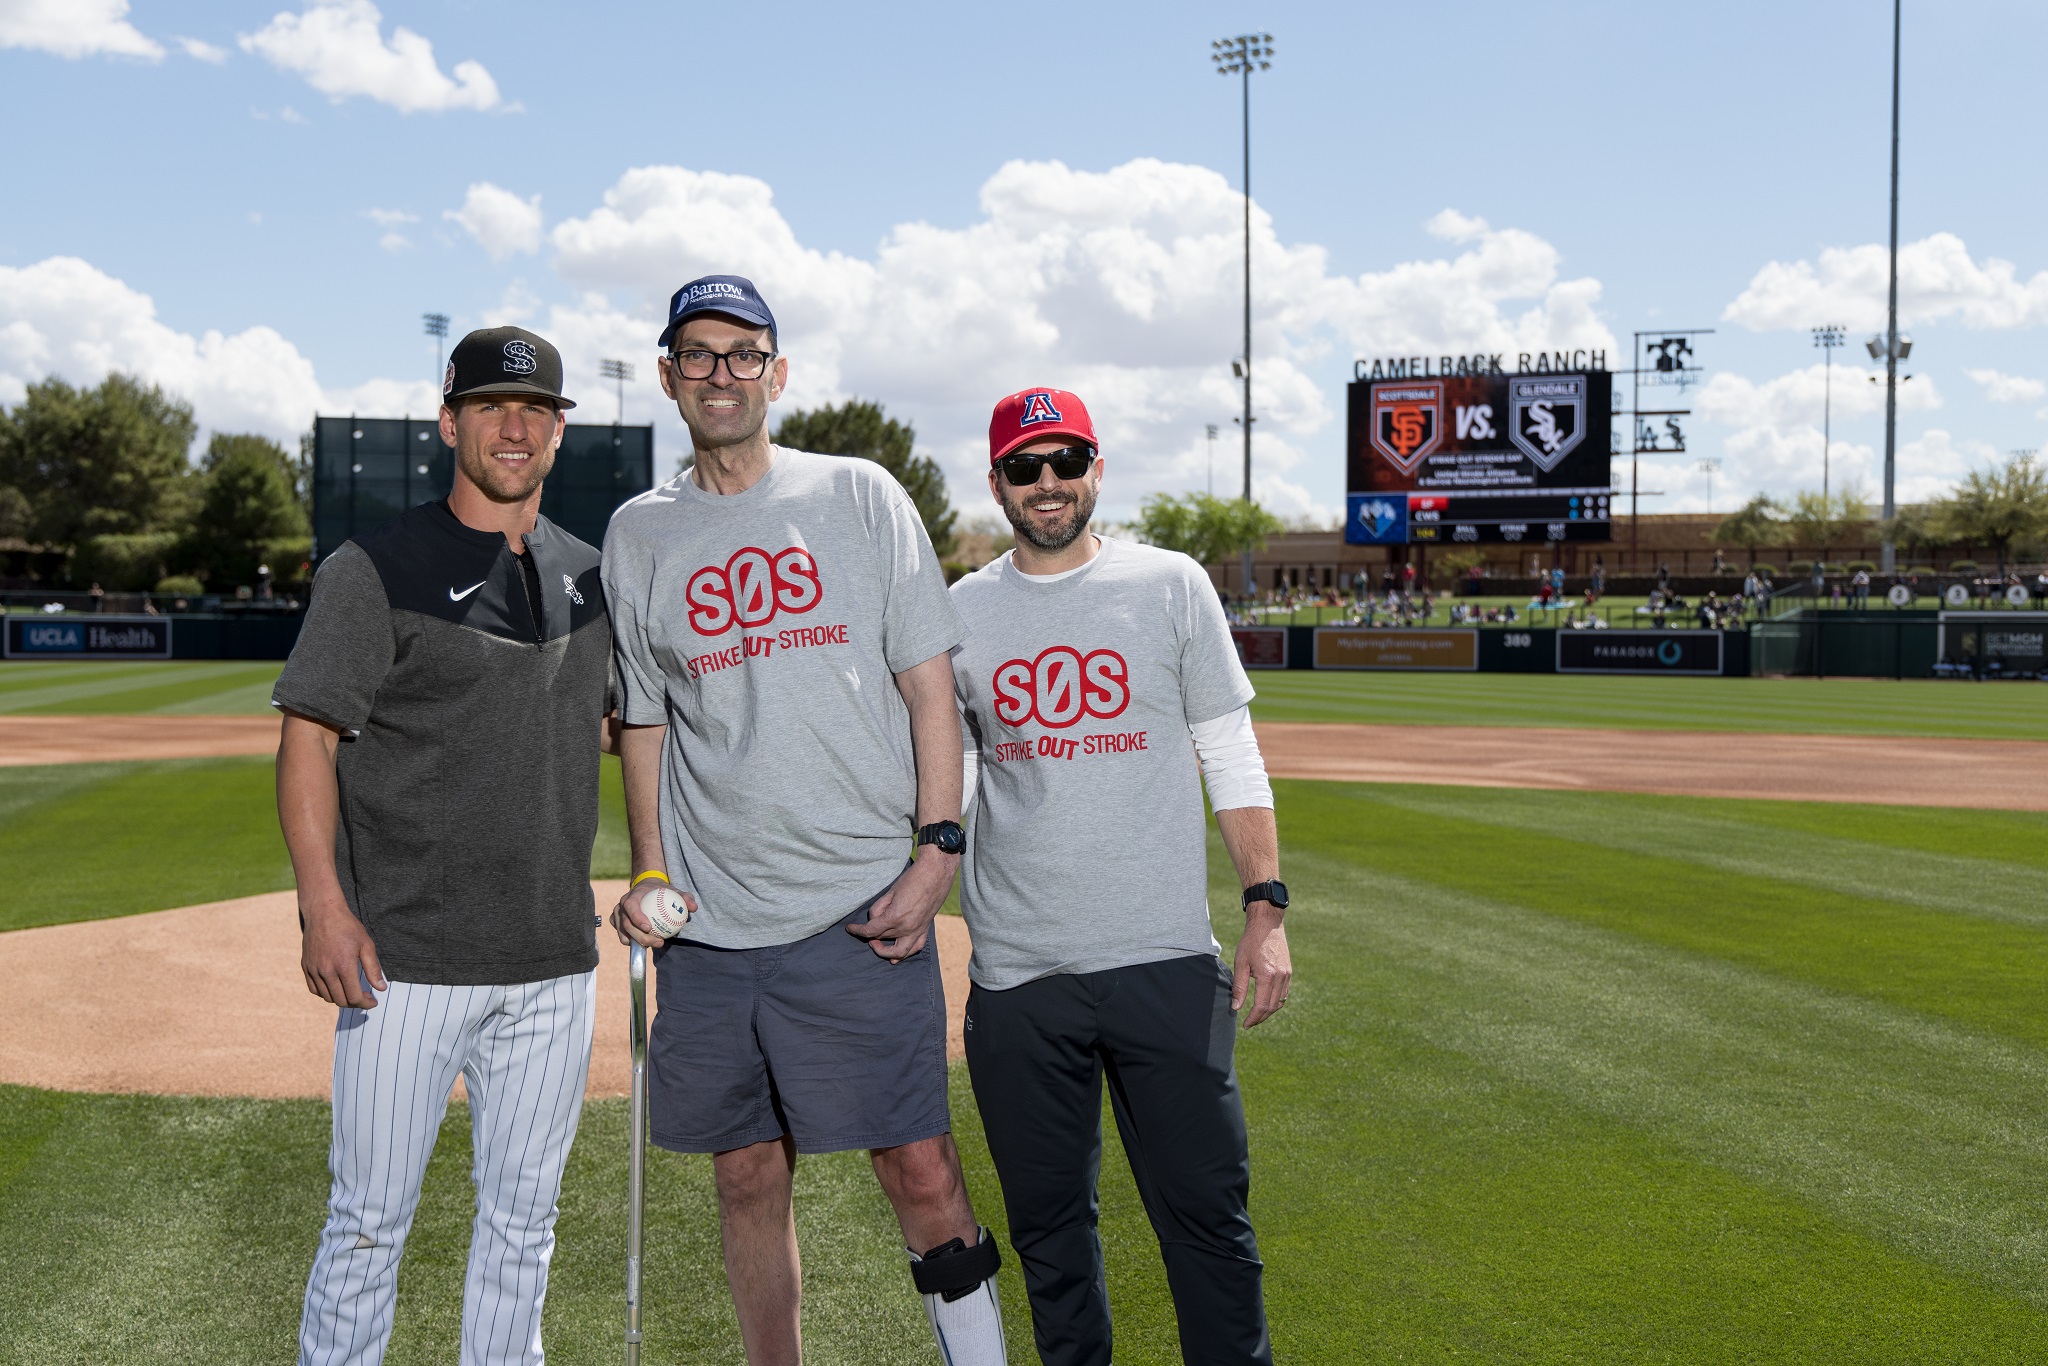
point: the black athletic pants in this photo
(1163, 1034)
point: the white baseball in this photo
(666, 910)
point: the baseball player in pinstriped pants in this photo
(437, 784)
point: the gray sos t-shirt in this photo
(1085, 846)
(764, 629)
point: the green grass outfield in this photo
(197, 687)
(1566, 1077)
(2016, 711)
(1847, 706)
(86, 841)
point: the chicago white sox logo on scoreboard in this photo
(1547, 417)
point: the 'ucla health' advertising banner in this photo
(87, 637)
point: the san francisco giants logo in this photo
(1061, 686)
(1406, 422)
(751, 588)
(1408, 427)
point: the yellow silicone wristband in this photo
(646, 875)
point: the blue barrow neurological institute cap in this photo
(734, 296)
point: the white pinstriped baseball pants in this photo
(524, 1054)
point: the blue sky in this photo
(945, 203)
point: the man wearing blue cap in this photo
(783, 633)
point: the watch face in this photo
(952, 839)
(1277, 894)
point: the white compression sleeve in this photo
(1232, 767)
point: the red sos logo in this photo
(1061, 686)
(752, 588)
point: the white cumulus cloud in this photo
(1938, 279)
(2003, 388)
(1776, 439)
(62, 317)
(1123, 285)
(338, 46)
(203, 51)
(74, 28)
(502, 223)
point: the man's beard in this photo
(1057, 540)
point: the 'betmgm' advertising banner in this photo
(1479, 457)
(87, 638)
(1639, 652)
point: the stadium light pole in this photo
(621, 371)
(1891, 328)
(1240, 56)
(437, 328)
(1827, 339)
(1709, 466)
(1212, 430)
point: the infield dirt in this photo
(2008, 775)
(223, 1009)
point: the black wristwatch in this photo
(948, 835)
(1274, 891)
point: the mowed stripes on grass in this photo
(1847, 706)
(185, 687)
(88, 841)
(1566, 1077)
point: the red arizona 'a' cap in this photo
(1033, 414)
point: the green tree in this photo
(1204, 527)
(1757, 523)
(860, 428)
(15, 513)
(1820, 521)
(96, 462)
(248, 511)
(2000, 508)
(1912, 528)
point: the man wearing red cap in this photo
(1094, 671)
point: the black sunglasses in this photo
(1068, 462)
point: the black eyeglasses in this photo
(1068, 462)
(742, 364)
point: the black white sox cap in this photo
(504, 360)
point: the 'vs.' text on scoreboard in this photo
(1479, 457)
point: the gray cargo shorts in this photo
(820, 1039)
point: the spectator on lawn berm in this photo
(1092, 949)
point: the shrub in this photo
(1766, 570)
(180, 585)
(1866, 566)
(1800, 569)
(1963, 567)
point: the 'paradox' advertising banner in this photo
(87, 638)
(1639, 652)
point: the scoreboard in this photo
(1479, 457)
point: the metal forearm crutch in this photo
(636, 1161)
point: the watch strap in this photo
(1273, 890)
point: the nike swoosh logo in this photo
(454, 596)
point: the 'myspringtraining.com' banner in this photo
(1354, 647)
